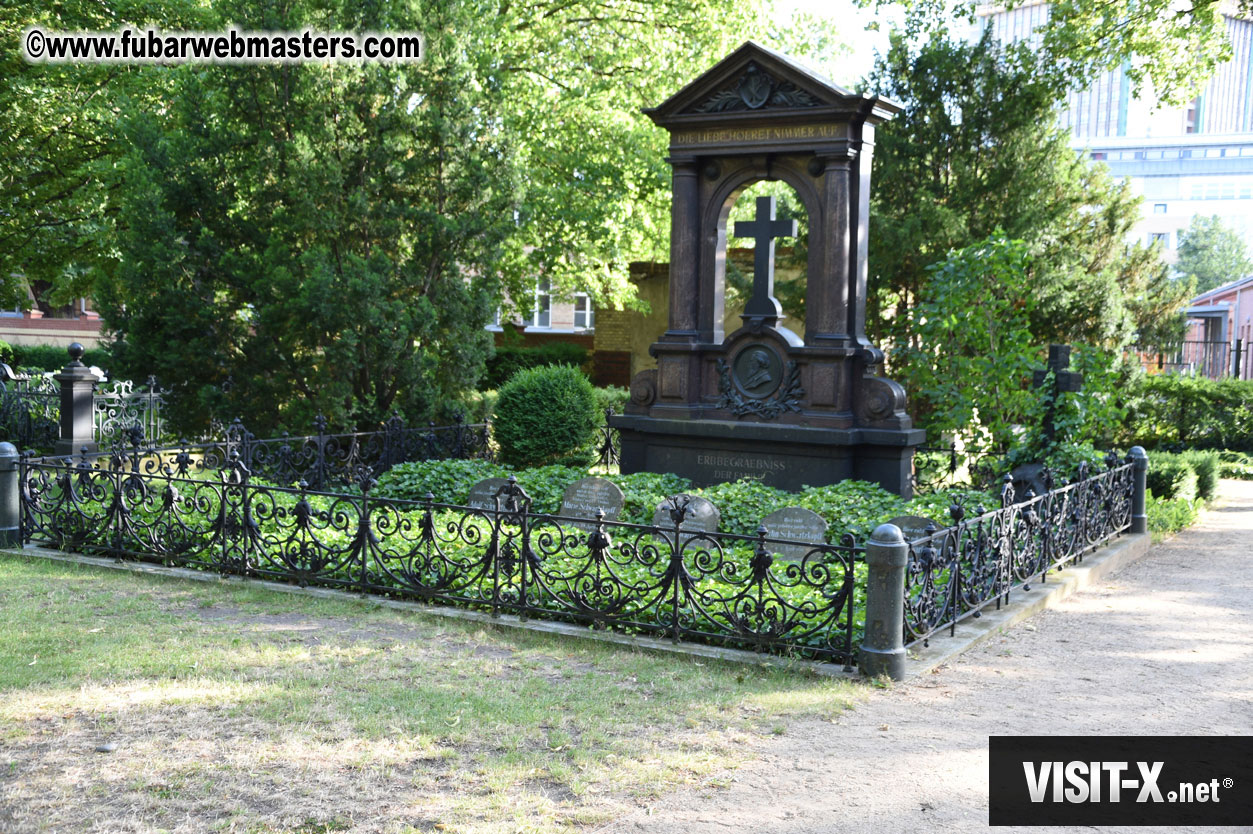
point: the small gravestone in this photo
(797, 524)
(588, 496)
(914, 527)
(483, 494)
(702, 516)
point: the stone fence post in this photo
(1140, 468)
(78, 388)
(883, 647)
(10, 505)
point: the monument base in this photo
(787, 457)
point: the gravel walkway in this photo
(1164, 647)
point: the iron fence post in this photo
(1236, 359)
(883, 647)
(10, 503)
(1140, 467)
(78, 387)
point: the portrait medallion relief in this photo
(757, 371)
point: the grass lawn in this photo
(236, 709)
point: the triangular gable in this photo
(755, 81)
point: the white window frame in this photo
(542, 314)
(588, 315)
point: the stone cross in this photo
(1064, 381)
(763, 305)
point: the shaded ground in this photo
(1165, 647)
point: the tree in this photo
(1167, 49)
(1212, 254)
(314, 238)
(60, 144)
(975, 152)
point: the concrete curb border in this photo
(1023, 605)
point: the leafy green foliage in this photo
(1172, 477)
(1208, 469)
(972, 346)
(612, 397)
(976, 156)
(1171, 411)
(643, 491)
(1166, 49)
(1170, 515)
(1212, 254)
(54, 357)
(449, 481)
(1236, 465)
(545, 415)
(509, 360)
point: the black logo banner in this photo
(1120, 780)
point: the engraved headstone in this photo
(483, 494)
(702, 516)
(587, 496)
(798, 524)
(914, 527)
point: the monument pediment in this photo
(755, 82)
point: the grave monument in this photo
(761, 402)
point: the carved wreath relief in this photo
(754, 90)
(756, 382)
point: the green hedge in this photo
(1236, 465)
(1180, 412)
(1170, 476)
(54, 357)
(509, 360)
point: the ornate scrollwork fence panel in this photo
(30, 409)
(119, 406)
(666, 581)
(956, 572)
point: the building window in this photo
(543, 313)
(1098, 155)
(1159, 208)
(1162, 237)
(584, 316)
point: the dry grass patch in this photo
(235, 709)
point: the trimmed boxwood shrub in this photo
(1169, 476)
(1208, 467)
(546, 415)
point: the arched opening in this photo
(791, 261)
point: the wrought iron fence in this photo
(323, 458)
(948, 467)
(955, 573)
(119, 406)
(30, 409)
(670, 581)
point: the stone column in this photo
(859, 232)
(10, 505)
(684, 251)
(78, 385)
(827, 289)
(883, 647)
(1140, 467)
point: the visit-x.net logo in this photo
(1120, 780)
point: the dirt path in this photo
(1165, 647)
